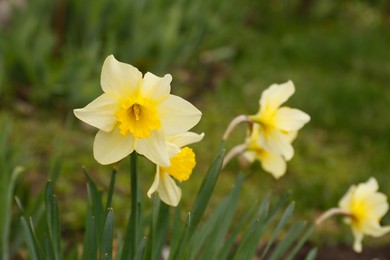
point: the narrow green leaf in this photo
(52, 221)
(30, 240)
(90, 249)
(130, 243)
(96, 205)
(287, 213)
(227, 246)
(176, 231)
(250, 240)
(312, 254)
(140, 250)
(301, 242)
(111, 187)
(287, 241)
(180, 251)
(206, 190)
(214, 230)
(107, 236)
(160, 230)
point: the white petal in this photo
(275, 141)
(156, 88)
(168, 191)
(153, 148)
(274, 164)
(100, 113)
(155, 183)
(110, 147)
(185, 138)
(357, 245)
(119, 78)
(290, 119)
(177, 115)
(276, 95)
(249, 156)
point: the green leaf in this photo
(211, 236)
(107, 236)
(287, 241)
(227, 246)
(30, 240)
(52, 221)
(287, 213)
(249, 242)
(301, 242)
(96, 205)
(181, 250)
(206, 190)
(312, 254)
(90, 249)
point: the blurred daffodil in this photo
(364, 207)
(271, 162)
(180, 169)
(135, 113)
(276, 121)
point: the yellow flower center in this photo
(182, 164)
(359, 212)
(137, 117)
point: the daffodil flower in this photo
(270, 161)
(135, 113)
(180, 169)
(276, 121)
(364, 207)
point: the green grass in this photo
(340, 66)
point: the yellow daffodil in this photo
(365, 207)
(271, 162)
(180, 169)
(276, 121)
(135, 113)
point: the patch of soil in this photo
(344, 252)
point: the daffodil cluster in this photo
(271, 130)
(138, 113)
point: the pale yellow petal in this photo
(250, 156)
(290, 119)
(177, 115)
(155, 183)
(357, 245)
(168, 191)
(184, 139)
(119, 78)
(110, 147)
(345, 202)
(276, 95)
(153, 148)
(275, 141)
(156, 88)
(100, 113)
(274, 164)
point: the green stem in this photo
(134, 204)
(111, 187)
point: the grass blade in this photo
(52, 221)
(107, 236)
(206, 190)
(287, 213)
(290, 237)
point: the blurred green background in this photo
(222, 55)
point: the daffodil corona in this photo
(135, 113)
(364, 207)
(182, 164)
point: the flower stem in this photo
(235, 122)
(134, 203)
(330, 213)
(111, 187)
(236, 150)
